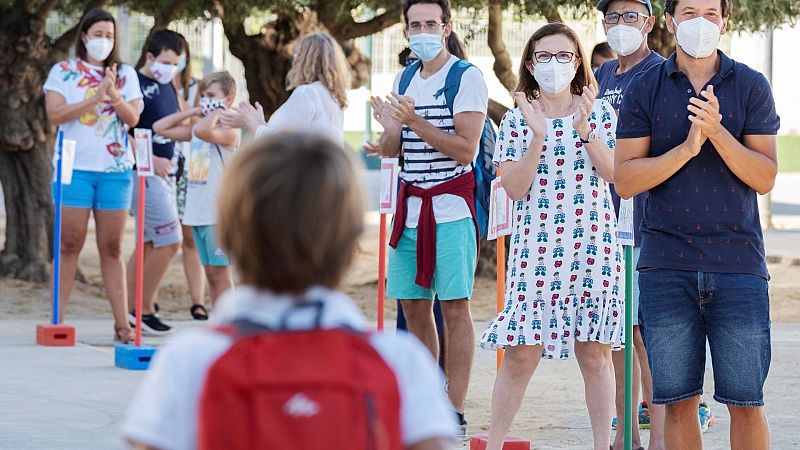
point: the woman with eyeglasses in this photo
(564, 289)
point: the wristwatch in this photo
(591, 138)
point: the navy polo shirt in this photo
(612, 87)
(160, 100)
(703, 218)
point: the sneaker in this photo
(644, 416)
(151, 324)
(643, 413)
(707, 419)
(462, 427)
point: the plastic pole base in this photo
(131, 357)
(511, 443)
(55, 335)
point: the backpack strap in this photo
(452, 83)
(407, 76)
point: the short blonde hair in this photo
(320, 58)
(227, 84)
(291, 212)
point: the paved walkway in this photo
(74, 398)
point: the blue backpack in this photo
(482, 167)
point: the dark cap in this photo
(604, 4)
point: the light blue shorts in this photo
(97, 190)
(206, 243)
(454, 273)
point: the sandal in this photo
(198, 312)
(123, 335)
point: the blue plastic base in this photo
(132, 357)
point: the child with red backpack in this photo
(290, 363)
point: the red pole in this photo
(139, 260)
(382, 272)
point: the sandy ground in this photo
(553, 414)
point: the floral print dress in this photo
(565, 275)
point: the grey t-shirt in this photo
(204, 166)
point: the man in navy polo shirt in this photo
(627, 24)
(698, 132)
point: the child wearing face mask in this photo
(162, 230)
(211, 146)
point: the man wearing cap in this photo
(627, 23)
(698, 133)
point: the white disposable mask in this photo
(163, 73)
(553, 76)
(698, 37)
(99, 48)
(624, 39)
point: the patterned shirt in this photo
(703, 218)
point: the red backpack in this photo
(307, 390)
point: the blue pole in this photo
(57, 230)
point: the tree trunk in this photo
(26, 142)
(494, 37)
(267, 56)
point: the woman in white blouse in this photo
(319, 78)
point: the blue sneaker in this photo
(707, 419)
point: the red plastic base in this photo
(511, 443)
(55, 335)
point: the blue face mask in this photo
(426, 46)
(182, 63)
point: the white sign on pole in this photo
(500, 206)
(625, 222)
(143, 139)
(68, 160)
(388, 199)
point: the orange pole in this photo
(382, 272)
(501, 280)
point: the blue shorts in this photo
(681, 310)
(454, 272)
(206, 243)
(98, 190)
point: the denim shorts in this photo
(454, 272)
(161, 224)
(682, 310)
(102, 191)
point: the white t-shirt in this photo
(424, 166)
(310, 108)
(204, 166)
(165, 407)
(102, 139)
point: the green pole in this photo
(368, 128)
(629, 347)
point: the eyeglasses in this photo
(627, 17)
(430, 26)
(562, 57)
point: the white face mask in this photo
(163, 73)
(553, 77)
(698, 37)
(625, 40)
(99, 48)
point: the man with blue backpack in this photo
(435, 118)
